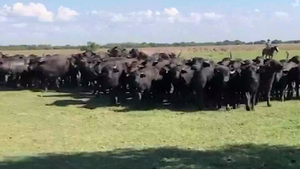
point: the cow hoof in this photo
(269, 105)
(248, 108)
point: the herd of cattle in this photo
(159, 77)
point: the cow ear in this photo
(163, 71)
(183, 71)
(144, 63)
(141, 66)
(115, 69)
(206, 64)
(42, 62)
(260, 69)
(216, 70)
(72, 61)
(128, 65)
(142, 75)
(155, 63)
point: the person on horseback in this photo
(268, 44)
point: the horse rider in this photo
(268, 44)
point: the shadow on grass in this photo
(84, 99)
(231, 157)
(91, 102)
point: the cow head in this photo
(134, 53)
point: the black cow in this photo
(145, 82)
(219, 86)
(204, 71)
(249, 82)
(12, 68)
(51, 69)
(292, 69)
(267, 76)
(181, 77)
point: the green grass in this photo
(61, 130)
(51, 130)
(217, 56)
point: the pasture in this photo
(73, 129)
(212, 52)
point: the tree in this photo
(90, 47)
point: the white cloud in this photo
(171, 11)
(19, 25)
(66, 14)
(147, 13)
(56, 28)
(212, 15)
(171, 19)
(3, 19)
(196, 17)
(118, 18)
(32, 10)
(132, 17)
(5, 9)
(257, 10)
(157, 13)
(281, 14)
(94, 12)
(296, 3)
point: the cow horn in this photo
(115, 67)
(179, 54)
(232, 72)
(230, 55)
(287, 55)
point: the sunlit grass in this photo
(35, 123)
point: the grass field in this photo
(75, 130)
(212, 52)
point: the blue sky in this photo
(75, 22)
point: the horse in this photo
(270, 52)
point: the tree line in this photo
(93, 45)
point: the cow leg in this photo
(282, 94)
(114, 96)
(18, 81)
(218, 99)
(258, 96)
(177, 100)
(45, 83)
(15, 80)
(57, 80)
(201, 101)
(248, 101)
(268, 93)
(290, 91)
(146, 98)
(233, 100)
(253, 101)
(139, 96)
(297, 89)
